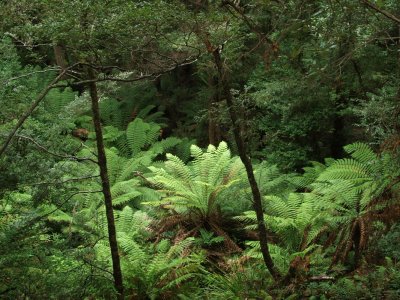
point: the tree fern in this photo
(111, 113)
(57, 100)
(295, 220)
(193, 185)
(344, 196)
(200, 193)
(352, 190)
(153, 270)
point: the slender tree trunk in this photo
(102, 161)
(257, 201)
(214, 137)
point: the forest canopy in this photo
(200, 149)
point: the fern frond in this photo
(345, 169)
(361, 152)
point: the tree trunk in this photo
(257, 201)
(214, 137)
(357, 249)
(60, 57)
(102, 161)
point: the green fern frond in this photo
(56, 100)
(111, 113)
(361, 152)
(136, 135)
(199, 184)
(176, 166)
(345, 169)
(165, 145)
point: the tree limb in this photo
(61, 181)
(31, 73)
(127, 80)
(106, 189)
(257, 199)
(70, 157)
(381, 11)
(31, 109)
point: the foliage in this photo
(245, 280)
(361, 188)
(307, 79)
(387, 245)
(151, 271)
(377, 283)
(197, 195)
(347, 196)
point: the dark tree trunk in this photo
(357, 249)
(356, 237)
(102, 161)
(59, 56)
(338, 138)
(214, 134)
(257, 201)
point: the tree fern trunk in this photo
(257, 202)
(102, 161)
(357, 249)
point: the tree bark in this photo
(60, 57)
(102, 162)
(214, 136)
(257, 201)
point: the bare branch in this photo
(381, 11)
(34, 220)
(30, 74)
(25, 44)
(139, 78)
(61, 181)
(96, 267)
(69, 157)
(246, 19)
(62, 204)
(33, 106)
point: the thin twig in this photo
(61, 182)
(34, 220)
(6, 82)
(70, 157)
(381, 11)
(139, 78)
(33, 106)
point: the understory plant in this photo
(340, 203)
(203, 194)
(152, 271)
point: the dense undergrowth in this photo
(321, 128)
